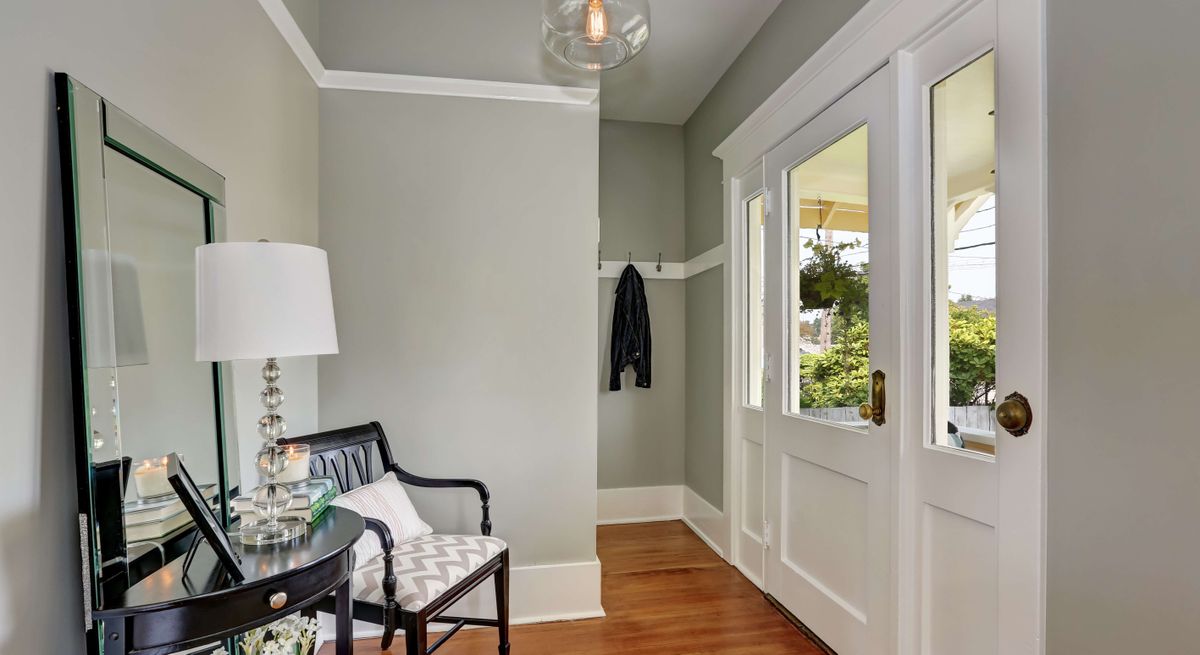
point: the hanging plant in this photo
(825, 279)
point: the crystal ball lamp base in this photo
(271, 499)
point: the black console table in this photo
(167, 612)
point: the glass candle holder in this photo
(297, 466)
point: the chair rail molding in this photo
(414, 84)
(670, 270)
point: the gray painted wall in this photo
(216, 79)
(1123, 485)
(789, 37)
(641, 191)
(641, 210)
(641, 430)
(465, 346)
(704, 458)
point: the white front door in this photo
(972, 226)
(831, 322)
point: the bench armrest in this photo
(485, 526)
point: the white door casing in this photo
(746, 504)
(829, 494)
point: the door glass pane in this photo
(755, 261)
(964, 216)
(828, 257)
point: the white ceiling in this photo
(692, 43)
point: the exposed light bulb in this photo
(597, 21)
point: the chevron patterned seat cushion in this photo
(425, 568)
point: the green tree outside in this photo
(839, 376)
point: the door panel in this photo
(959, 590)
(830, 289)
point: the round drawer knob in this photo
(277, 600)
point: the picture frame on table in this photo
(206, 521)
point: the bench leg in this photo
(501, 582)
(389, 627)
(416, 640)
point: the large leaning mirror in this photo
(136, 207)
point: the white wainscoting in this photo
(706, 521)
(537, 594)
(639, 504)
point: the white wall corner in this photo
(639, 504)
(708, 522)
(537, 594)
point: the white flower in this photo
(291, 635)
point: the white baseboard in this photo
(537, 594)
(705, 520)
(639, 504)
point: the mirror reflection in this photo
(143, 393)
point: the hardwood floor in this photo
(665, 593)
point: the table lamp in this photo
(265, 301)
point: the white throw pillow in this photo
(386, 501)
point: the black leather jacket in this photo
(630, 330)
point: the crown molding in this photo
(447, 86)
(292, 34)
(414, 84)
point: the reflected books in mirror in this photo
(206, 521)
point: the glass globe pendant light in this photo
(595, 35)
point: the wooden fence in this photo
(975, 417)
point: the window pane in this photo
(754, 300)
(828, 324)
(964, 257)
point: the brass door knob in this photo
(277, 600)
(1015, 414)
(873, 411)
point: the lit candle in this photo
(297, 466)
(150, 478)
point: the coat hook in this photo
(628, 258)
(659, 266)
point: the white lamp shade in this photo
(260, 300)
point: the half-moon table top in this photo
(334, 533)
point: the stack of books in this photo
(310, 500)
(154, 518)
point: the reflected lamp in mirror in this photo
(265, 301)
(115, 330)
